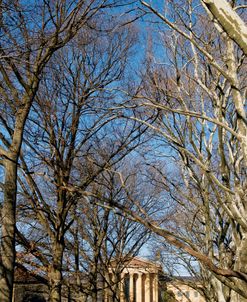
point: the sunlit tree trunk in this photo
(229, 20)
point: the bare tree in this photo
(32, 31)
(198, 91)
(104, 240)
(67, 132)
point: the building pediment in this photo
(135, 265)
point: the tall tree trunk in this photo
(241, 265)
(9, 204)
(8, 229)
(55, 273)
(94, 294)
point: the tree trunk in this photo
(8, 229)
(241, 265)
(230, 21)
(218, 289)
(55, 273)
(94, 294)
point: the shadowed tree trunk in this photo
(8, 227)
(55, 272)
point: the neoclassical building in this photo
(184, 293)
(139, 282)
(144, 281)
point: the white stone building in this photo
(143, 281)
(184, 293)
(139, 282)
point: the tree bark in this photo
(9, 205)
(8, 229)
(229, 20)
(241, 265)
(55, 273)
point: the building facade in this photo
(144, 281)
(138, 280)
(184, 293)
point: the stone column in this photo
(131, 287)
(122, 294)
(139, 288)
(115, 287)
(155, 288)
(147, 288)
